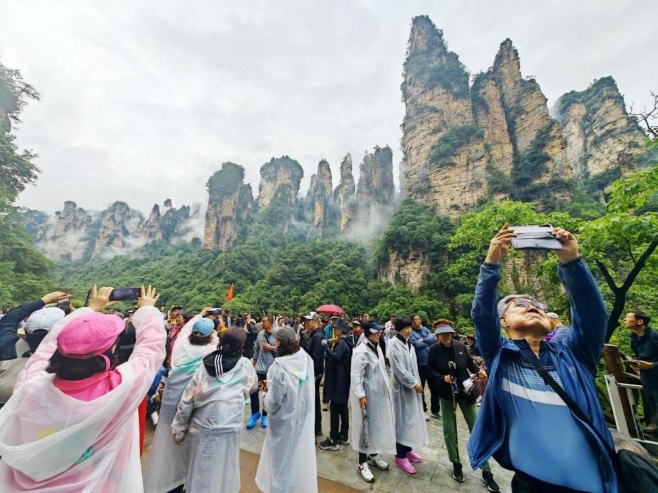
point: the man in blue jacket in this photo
(523, 423)
(421, 338)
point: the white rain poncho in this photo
(369, 380)
(287, 461)
(212, 410)
(410, 427)
(51, 442)
(168, 463)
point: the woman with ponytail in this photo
(211, 414)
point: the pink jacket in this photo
(79, 438)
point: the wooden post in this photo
(614, 365)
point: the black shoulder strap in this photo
(571, 404)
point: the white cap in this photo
(43, 319)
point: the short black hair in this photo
(401, 322)
(639, 315)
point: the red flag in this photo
(231, 291)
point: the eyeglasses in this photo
(525, 303)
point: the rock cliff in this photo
(279, 178)
(496, 138)
(597, 129)
(345, 193)
(230, 206)
(320, 208)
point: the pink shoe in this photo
(405, 466)
(414, 457)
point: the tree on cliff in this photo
(16, 168)
(622, 243)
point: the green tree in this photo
(622, 242)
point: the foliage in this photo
(623, 241)
(14, 91)
(452, 140)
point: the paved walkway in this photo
(337, 470)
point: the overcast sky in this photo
(143, 100)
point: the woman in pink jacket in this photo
(71, 425)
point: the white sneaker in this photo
(378, 463)
(365, 473)
(427, 418)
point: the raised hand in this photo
(569, 242)
(500, 245)
(54, 297)
(100, 298)
(148, 297)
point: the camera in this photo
(214, 311)
(125, 294)
(537, 237)
(64, 304)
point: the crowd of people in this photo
(77, 386)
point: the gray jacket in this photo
(263, 358)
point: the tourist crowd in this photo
(78, 385)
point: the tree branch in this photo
(630, 250)
(639, 265)
(606, 275)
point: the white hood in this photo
(296, 364)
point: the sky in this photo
(143, 100)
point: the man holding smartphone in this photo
(519, 412)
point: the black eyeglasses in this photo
(524, 303)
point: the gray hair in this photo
(286, 336)
(504, 303)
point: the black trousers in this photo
(364, 457)
(318, 407)
(401, 450)
(255, 403)
(338, 416)
(522, 483)
(435, 402)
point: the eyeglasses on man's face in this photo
(525, 303)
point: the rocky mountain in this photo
(496, 138)
(345, 193)
(230, 206)
(75, 234)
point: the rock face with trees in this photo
(467, 144)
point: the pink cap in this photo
(89, 335)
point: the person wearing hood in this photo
(337, 385)
(410, 427)
(287, 462)
(371, 403)
(167, 463)
(71, 424)
(211, 414)
(41, 320)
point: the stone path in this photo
(434, 473)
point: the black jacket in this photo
(438, 367)
(337, 372)
(316, 352)
(248, 346)
(9, 326)
(645, 348)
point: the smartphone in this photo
(535, 237)
(64, 304)
(125, 294)
(214, 311)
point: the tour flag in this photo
(231, 291)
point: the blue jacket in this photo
(9, 326)
(575, 357)
(422, 348)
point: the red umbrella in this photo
(330, 310)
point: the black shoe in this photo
(457, 474)
(343, 441)
(488, 481)
(318, 433)
(328, 444)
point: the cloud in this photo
(145, 100)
